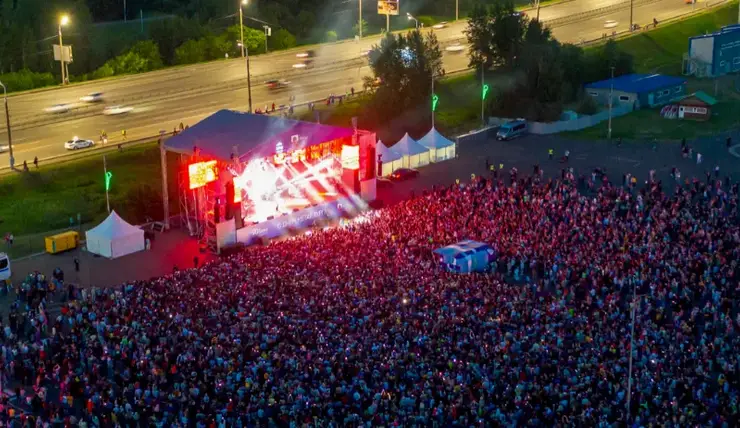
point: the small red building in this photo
(697, 106)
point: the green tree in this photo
(495, 35)
(331, 36)
(356, 28)
(404, 65)
(282, 39)
(479, 35)
(191, 52)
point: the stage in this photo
(245, 177)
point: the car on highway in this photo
(307, 54)
(277, 84)
(116, 110)
(403, 174)
(440, 25)
(75, 144)
(94, 97)
(58, 108)
(4, 148)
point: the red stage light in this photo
(202, 173)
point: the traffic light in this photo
(108, 176)
(485, 92)
(435, 100)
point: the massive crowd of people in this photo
(358, 326)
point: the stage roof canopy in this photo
(251, 135)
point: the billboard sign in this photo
(63, 53)
(388, 7)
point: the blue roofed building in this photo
(638, 90)
(714, 54)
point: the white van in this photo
(513, 129)
(4, 268)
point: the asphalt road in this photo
(165, 98)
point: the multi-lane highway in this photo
(165, 98)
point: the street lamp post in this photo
(241, 24)
(416, 21)
(245, 51)
(457, 10)
(7, 124)
(359, 23)
(64, 20)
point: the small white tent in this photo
(440, 148)
(414, 154)
(389, 158)
(114, 238)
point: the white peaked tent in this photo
(114, 238)
(390, 159)
(414, 154)
(440, 148)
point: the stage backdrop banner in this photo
(302, 219)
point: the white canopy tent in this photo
(440, 148)
(114, 238)
(414, 154)
(389, 158)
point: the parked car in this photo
(440, 25)
(513, 129)
(5, 272)
(403, 174)
(75, 143)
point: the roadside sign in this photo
(64, 54)
(388, 7)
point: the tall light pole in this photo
(632, 25)
(457, 10)
(7, 124)
(241, 24)
(245, 50)
(268, 33)
(416, 21)
(64, 20)
(611, 97)
(359, 22)
(484, 95)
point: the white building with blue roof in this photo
(638, 90)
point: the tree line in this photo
(549, 74)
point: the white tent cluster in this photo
(407, 153)
(114, 237)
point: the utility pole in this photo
(7, 124)
(611, 98)
(457, 10)
(249, 79)
(632, 22)
(387, 23)
(165, 190)
(107, 183)
(360, 21)
(538, 9)
(124, 11)
(62, 21)
(241, 25)
(434, 100)
(268, 33)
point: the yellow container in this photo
(62, 242)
